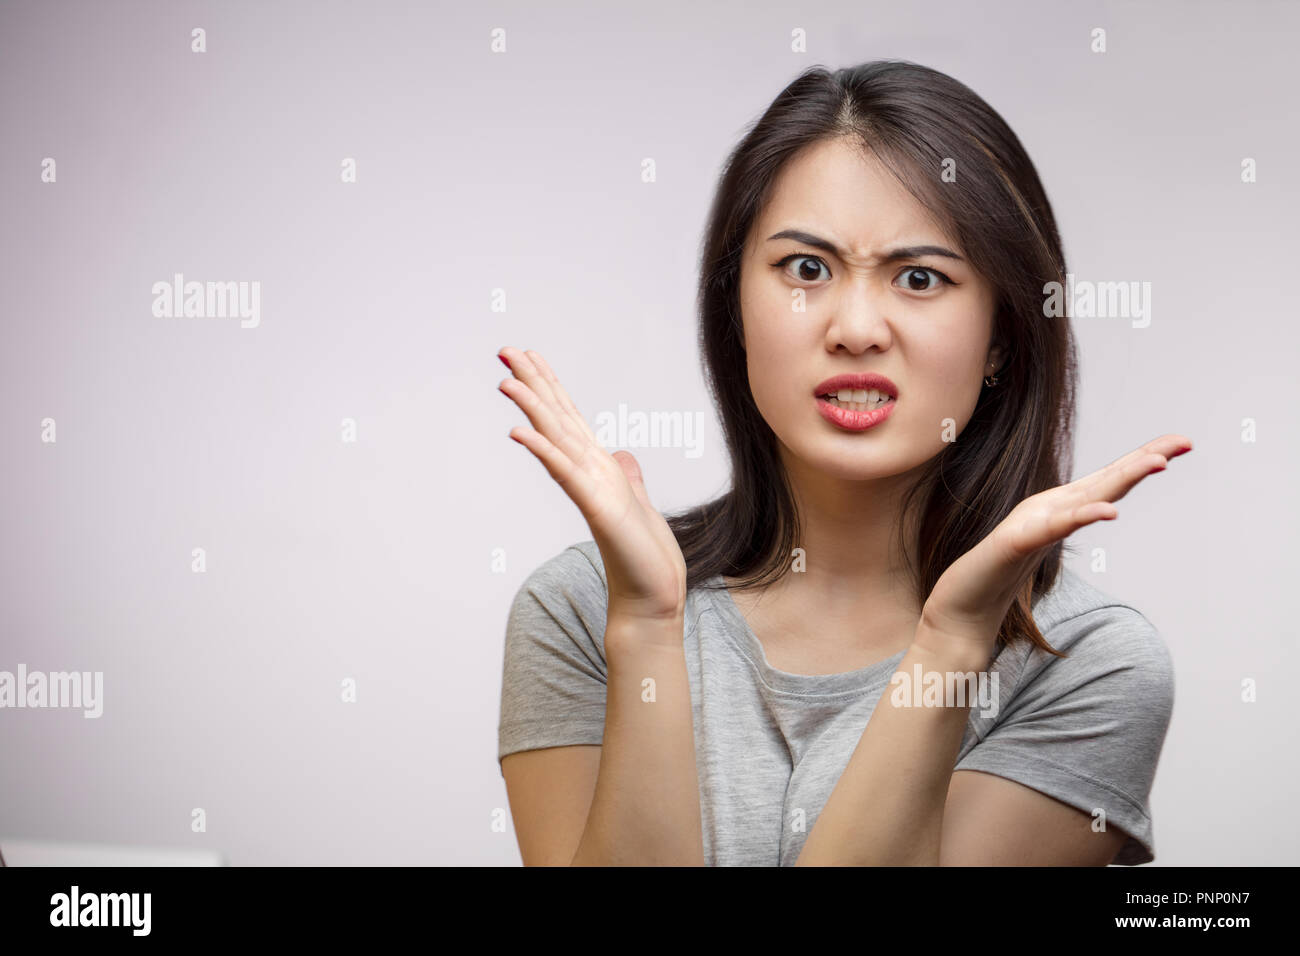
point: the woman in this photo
(772, 677)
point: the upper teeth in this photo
(859, 395)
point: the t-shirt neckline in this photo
(864, 678)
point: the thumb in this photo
(627, 461)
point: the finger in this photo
(1180, 446)
(1093, 511)
(632, 470)
(1065, 523)
(547, 420)
(561, 395)
(526, 370)
(576, 485)
(1169, 446)
(1117, 479)
(1061, 524)
(1048, 525)
(1114, 483)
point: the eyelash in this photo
(804, 255)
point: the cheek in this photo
(777, 347)
(945, 381)
(954, 362)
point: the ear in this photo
(996, 356)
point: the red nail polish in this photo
(505, 361)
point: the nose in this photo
(859, 320)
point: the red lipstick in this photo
(857, 380)
(847, 418)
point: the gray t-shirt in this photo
(1086, 730)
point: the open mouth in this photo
(858, 399)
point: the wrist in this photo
(943, 652)
(625, 632)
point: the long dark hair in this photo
(1019, 440)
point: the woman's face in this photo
(861, 313)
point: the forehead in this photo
(838, 190)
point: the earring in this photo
(990, 380)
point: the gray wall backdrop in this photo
(478, 171)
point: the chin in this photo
(856, 464)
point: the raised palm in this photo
(644, 568)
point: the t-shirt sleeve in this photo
(554, 676)
(1088, 729)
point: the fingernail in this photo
(505, 361)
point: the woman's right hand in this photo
(644, 568)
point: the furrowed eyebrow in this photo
(905, 252)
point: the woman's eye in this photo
(807, 267)
(917, 278)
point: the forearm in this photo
(646, 805)
(887, 807)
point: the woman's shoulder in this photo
(560, 604)
(1102, 633)
(580, 559)
(576, 576)
(576, 573)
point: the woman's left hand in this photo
(965, 610)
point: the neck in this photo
(850, 537)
